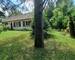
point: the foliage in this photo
(1, 27)
(46, 27)
(59, 21)
(2, 14)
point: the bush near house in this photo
(3, 27)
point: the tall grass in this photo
(18, 45)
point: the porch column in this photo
(25, 23)
(21, 23)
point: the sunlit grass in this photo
(18, 45)
(64, 39)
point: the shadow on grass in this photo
(16, 50)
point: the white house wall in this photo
(9, 24)
(17, 27)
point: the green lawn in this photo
(18, 45)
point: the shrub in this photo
(1, 27)
(46, 27)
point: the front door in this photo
(11, 26)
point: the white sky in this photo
(1, 9)
(28, 4)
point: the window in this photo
(27, 23)
(24, 23)
(6, 23)
(14, 24)
(19, 24)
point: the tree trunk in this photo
(72, 28)
(38, 24)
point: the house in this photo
(19, 21)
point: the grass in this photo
(64, 39)
(18, 45)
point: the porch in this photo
(19, 24)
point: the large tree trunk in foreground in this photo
(39, 43)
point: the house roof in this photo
(18, 17)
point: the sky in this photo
(74, 1)
(16, 1)
(28, 6)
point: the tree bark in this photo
(38, 24)
(72, 27)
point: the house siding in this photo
(15, 24)
(18, 21)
